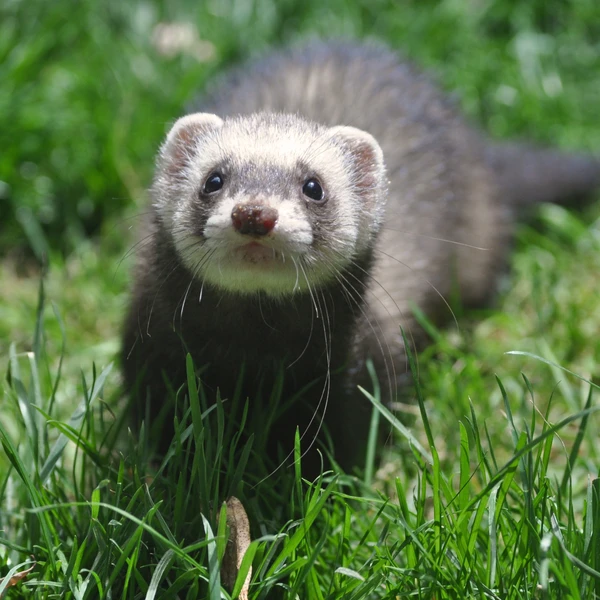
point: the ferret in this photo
(314, 197)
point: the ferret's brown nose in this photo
(254, 219)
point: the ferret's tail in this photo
(529, 175)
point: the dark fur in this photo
(445, 183)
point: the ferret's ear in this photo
(366, 154)
(181, 140)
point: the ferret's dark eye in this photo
(313, 190)
(213, 184)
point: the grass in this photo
(490, 488)
(515, 519)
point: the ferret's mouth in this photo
(255, 253)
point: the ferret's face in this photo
(268, 202)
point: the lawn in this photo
(487, 487)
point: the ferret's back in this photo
(333, 83)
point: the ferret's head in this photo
(268, 202)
